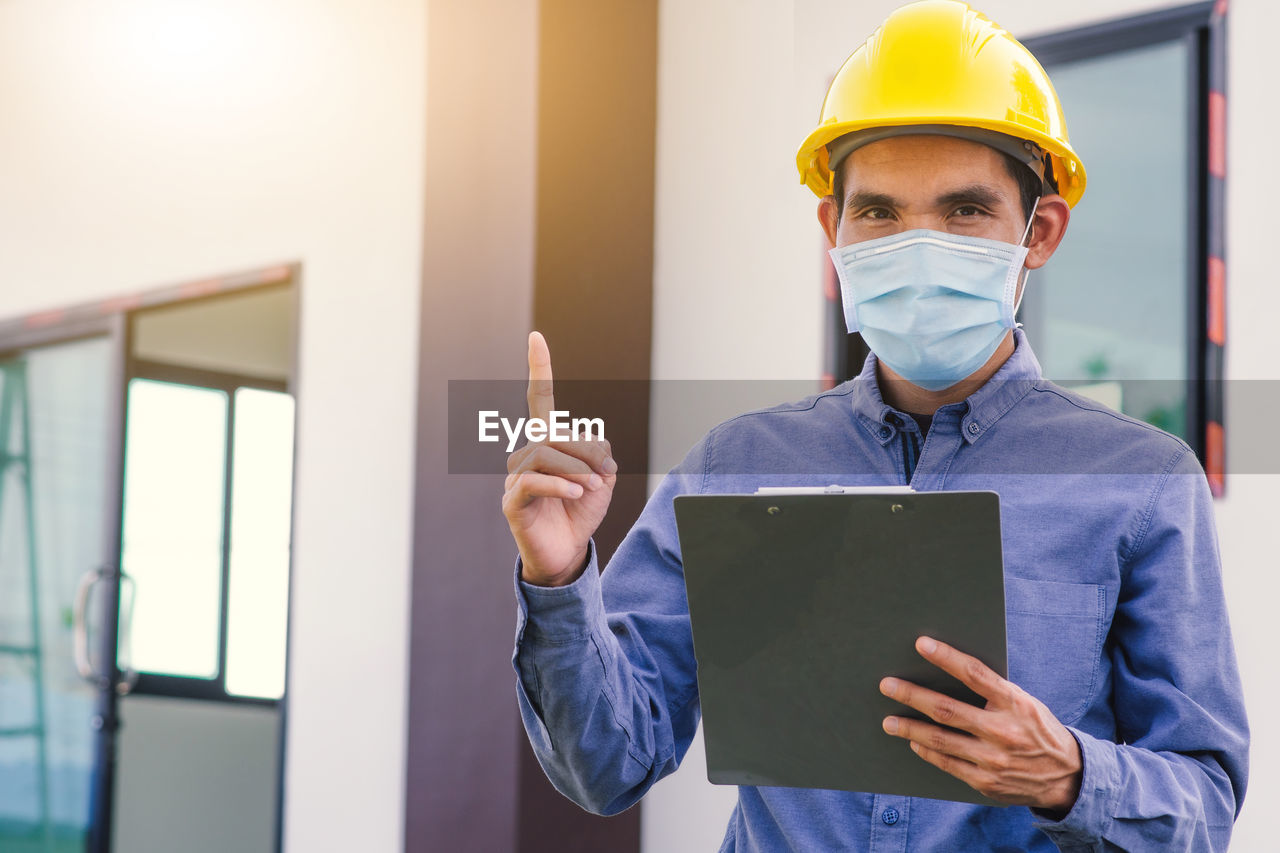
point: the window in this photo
(259, 560)
(207, 507)
(1124, 311)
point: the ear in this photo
(829, 218)
(1048, 227)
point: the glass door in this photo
(60, 451)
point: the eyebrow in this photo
(861, 198)
(982, 194)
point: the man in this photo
(1121, 725)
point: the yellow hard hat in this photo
(939, 66)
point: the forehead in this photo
(925, 162)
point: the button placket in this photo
(889, 823)
(945, 439)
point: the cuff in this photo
(555, 615)
(560, 614)
(1090, 818)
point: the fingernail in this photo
(928, 646)
(575, 491)
(888, 685)
(891, 725)
(609, 466)
(594, 482)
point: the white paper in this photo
(834, 490)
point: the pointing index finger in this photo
(539, 395)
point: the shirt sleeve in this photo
(606, 679)
(1174, 777)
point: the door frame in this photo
(112, 318)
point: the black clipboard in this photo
(801, 603)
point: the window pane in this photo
(261, 507)
(1113, 302)
(173, 504)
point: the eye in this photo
(876, 213)
(969, 210)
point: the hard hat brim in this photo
(815, 172)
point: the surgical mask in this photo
(932, 306)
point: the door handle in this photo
(80, 630)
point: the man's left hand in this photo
(1013, 750)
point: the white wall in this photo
(145, 142)
(1246, 516)
(736, 239)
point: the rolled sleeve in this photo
(560, 614)
(551, 617)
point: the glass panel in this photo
(175, 458)
(261, 506)
(52, 530)
(1113, 302)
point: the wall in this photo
(147, 142)
(736, 239)
(478, 240)
(1246, 517)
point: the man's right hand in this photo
(557, 492)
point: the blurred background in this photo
(245, 247)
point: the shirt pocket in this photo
(1055, 632)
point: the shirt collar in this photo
(976, 413)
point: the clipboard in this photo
(801, 603)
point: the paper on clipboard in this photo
(834, 489)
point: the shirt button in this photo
(974, 428)
(884, 432)
(889, 816)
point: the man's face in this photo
(943, 184)
(925, 181)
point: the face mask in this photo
(932, 306)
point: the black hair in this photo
(1029, 186)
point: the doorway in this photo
(146, 483)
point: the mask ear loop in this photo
(1030, 219)
(1023, 242)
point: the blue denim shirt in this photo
(1115, 620)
